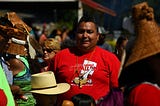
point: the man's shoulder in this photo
(103, 51)
(65, 51)
(107, 55)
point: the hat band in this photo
(21, 42)
(44, 88)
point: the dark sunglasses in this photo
(48, 50)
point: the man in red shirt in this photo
(88, 68)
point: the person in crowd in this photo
(102, 41)
(80, 100)
(57, 34)
(68, 43)
(50, 48)
(67, 103)
(36, 32)
(37, 57)
(86, 67)
(43, 36)
(65, 33)
(16, 48)
(140, 76)
(83, 100)
(21, 79)
(120, 50)
(120, 46)
(45, 88)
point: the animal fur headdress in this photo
(14, 36)
(147, 42)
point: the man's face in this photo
(87, 36)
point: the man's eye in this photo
(81, 31)
(89, 31)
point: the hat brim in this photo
(59, 89)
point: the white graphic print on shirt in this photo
(86, 70)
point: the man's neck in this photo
(81, 51)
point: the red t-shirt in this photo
(144, 95)
(95, 68)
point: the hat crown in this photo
(147, 42)
(43, 80)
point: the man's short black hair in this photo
(88, 18)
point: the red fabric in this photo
(65, 66)
(3, 98)
(42, 38)
(144, 95)
(99, 7)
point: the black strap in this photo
(44, 88)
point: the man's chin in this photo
(85, 45)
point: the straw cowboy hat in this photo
(147, 42)
(45, 83)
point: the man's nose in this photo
(85, 34)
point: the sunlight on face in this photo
(87, 35)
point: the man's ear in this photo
(98, 35)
